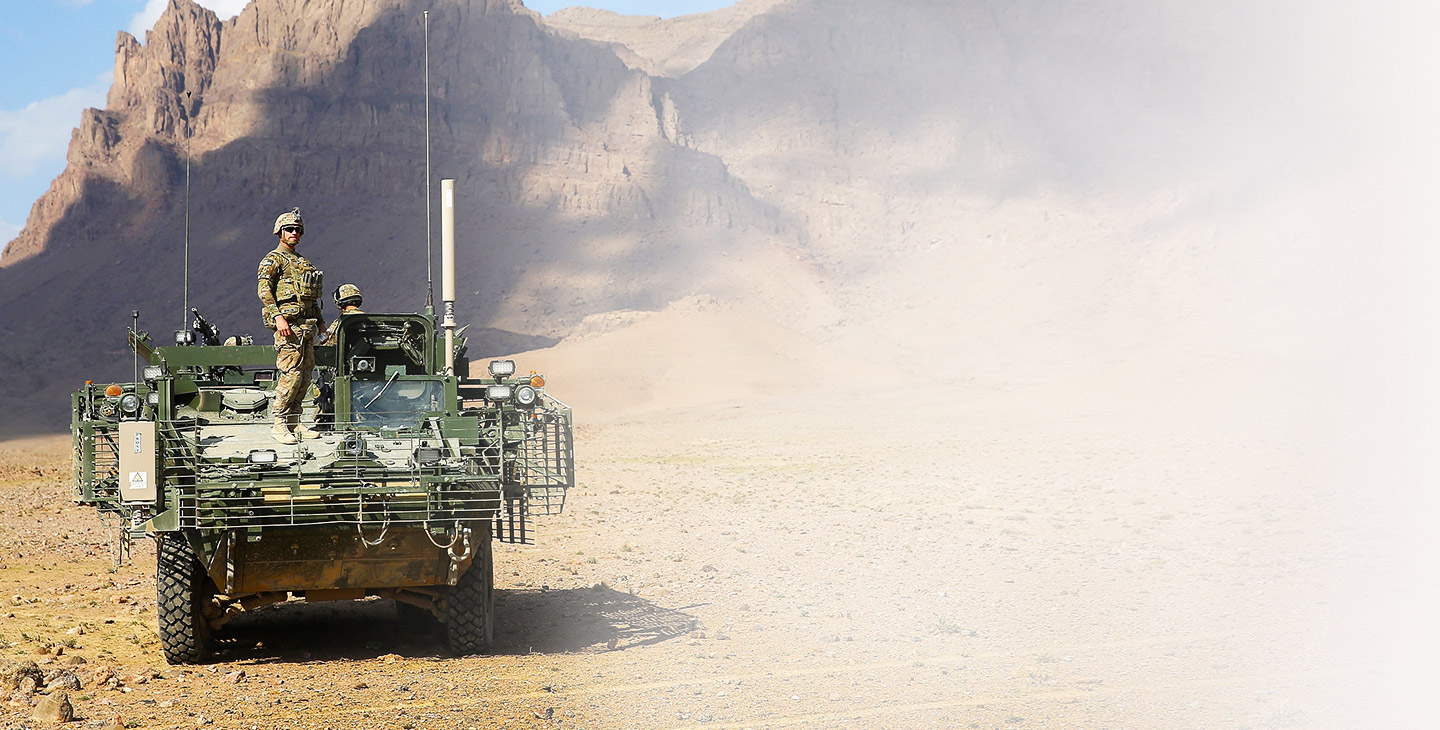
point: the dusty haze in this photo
(983, 364)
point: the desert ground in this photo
(894, 555)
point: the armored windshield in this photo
(394, 403)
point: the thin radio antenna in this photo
(429, 280)
(185, 298)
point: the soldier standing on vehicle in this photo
(348, 299)
(290, 289)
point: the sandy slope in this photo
(697, 351)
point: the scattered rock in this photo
(77, 631)
(117, 722)
(54, 708)
(12, 672)
(74, 660)
(235, 677)
(709, 569)
(141, 677)
(65, 680)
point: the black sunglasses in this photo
(292, 229)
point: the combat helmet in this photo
(348, 294)
(289, 219)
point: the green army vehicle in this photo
(416, 469)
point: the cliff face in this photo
(918, 173)
(321, 104)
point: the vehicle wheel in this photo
(470, 605)
(183, 589)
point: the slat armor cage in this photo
(515, 465)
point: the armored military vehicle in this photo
(416, 469)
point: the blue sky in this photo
(58, 57)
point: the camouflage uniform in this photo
(335, 326)
(290, 286)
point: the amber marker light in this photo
(113, 391)
(537, 381)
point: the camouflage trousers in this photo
(295, 359)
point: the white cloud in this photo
(145, 19)
(40, 133)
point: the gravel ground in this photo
(817, 562)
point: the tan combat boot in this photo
(281, 431)
(301, 430)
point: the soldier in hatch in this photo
(290, 290)
(348, 299)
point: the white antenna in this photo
(429, 281)
(447, 269)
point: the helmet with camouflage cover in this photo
(289, 219)
(348, 294)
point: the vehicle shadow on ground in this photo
(527, 622)
(550, 621)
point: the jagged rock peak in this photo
(179, 56)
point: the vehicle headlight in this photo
(130, 403)
(152, 398)
(497, 393)
(153, 372)
(502, 368)
(525, 395)
(262, 456)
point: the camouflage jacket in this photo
(290, 285)
(335, 326)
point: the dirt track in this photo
(800, 565)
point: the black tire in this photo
(470, 603)
(183, 588)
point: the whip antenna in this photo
(429, 281)
(185, 298)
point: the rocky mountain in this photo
(972, 188)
